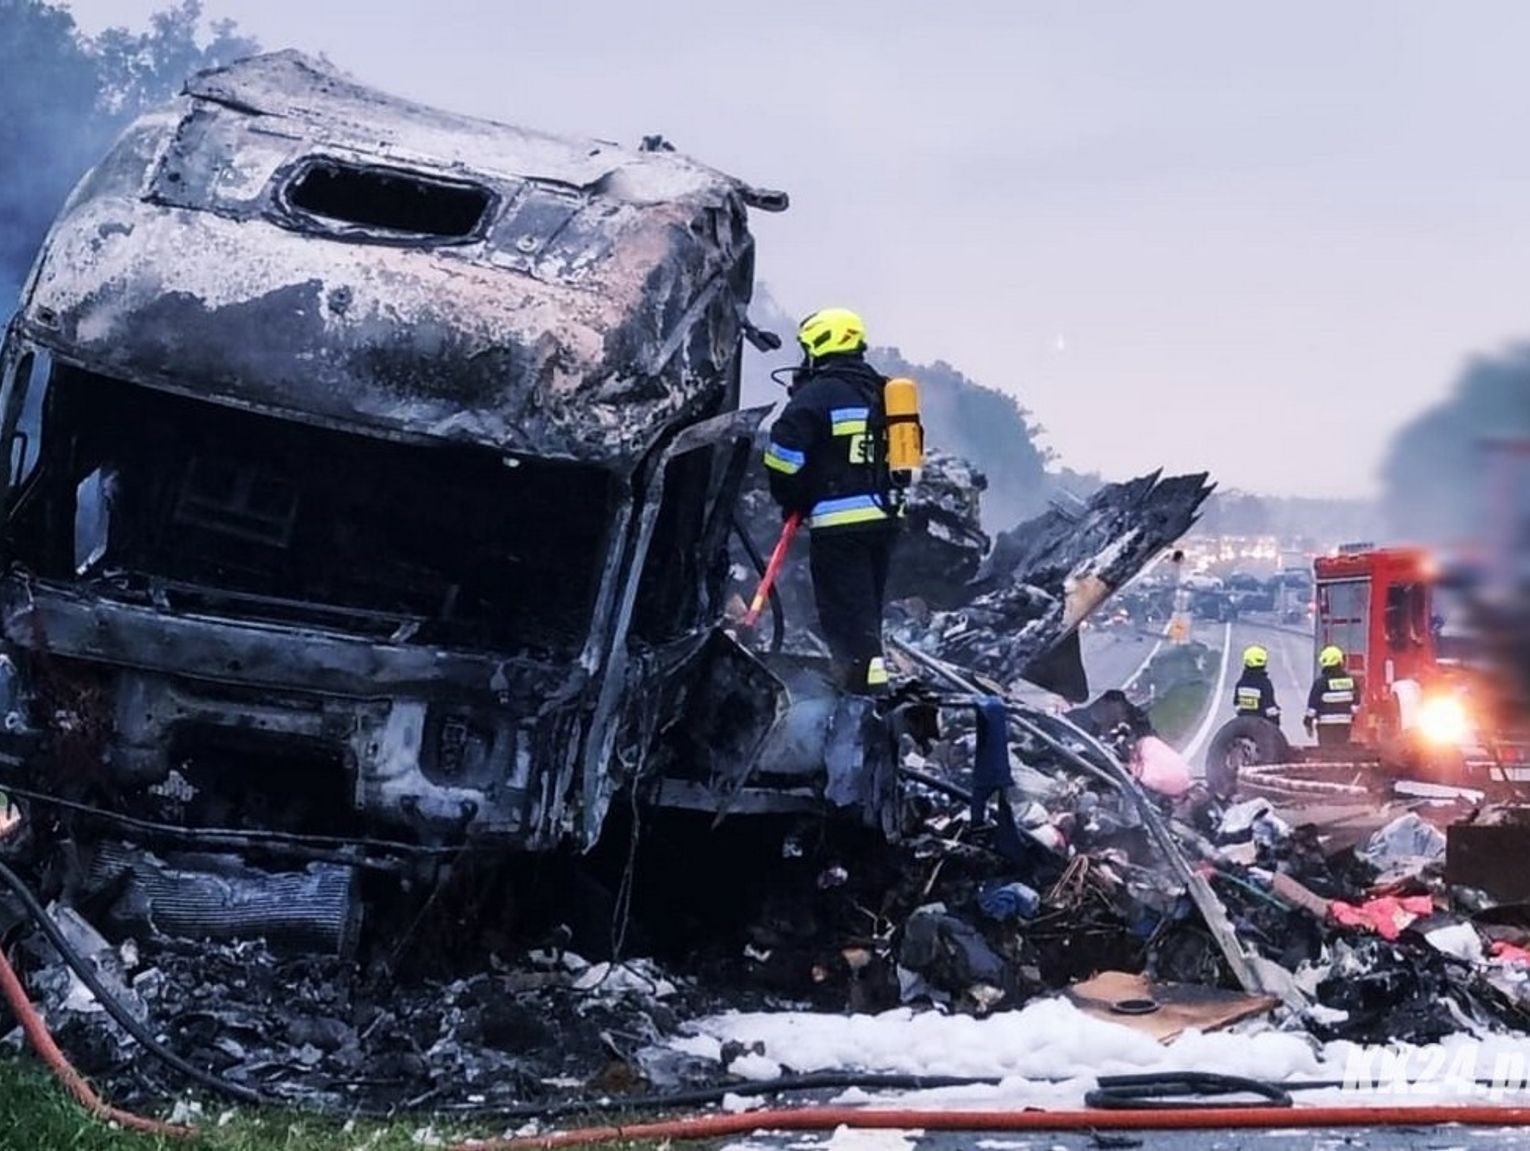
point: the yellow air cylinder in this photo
(905, 434)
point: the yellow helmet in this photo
(1255, 657)
(1331, 656)
(830, 332)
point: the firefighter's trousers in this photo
(849, 567)
(1333, 734)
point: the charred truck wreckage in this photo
(386, 449)
(376, 501)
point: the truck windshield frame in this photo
(139, 492)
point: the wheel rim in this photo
(1240, 753)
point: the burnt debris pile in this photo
(1020, 868)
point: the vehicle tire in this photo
(1242, 740)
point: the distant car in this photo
(1257, 599)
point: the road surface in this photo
(1292, 1138)
(1116, 656)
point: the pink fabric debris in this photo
(1386, 916)
(1508, 952)
(1158, 767)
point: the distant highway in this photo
(1115, 656)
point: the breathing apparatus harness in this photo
(894, 426)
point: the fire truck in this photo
(1430, 705)
(1377, 605)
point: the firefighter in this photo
(1254, 693)
(826, 462)
(1332, 702)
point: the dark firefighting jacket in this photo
(1332, 698)
(826, 451)
(1254, 694)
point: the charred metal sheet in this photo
(774, 735)
(943, 544)
(284, 239)
(601, 772)
(686, 795)
(468, 750)
(1045, 576)
(72, 623)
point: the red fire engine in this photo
(1429, 705)
(1377, 605)
(1422, 695)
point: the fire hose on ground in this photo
(109, 1003)
(38, 1036)
(1171, 1119)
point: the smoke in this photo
(66, 96)
(1442, 483)
(50, 128)
(1319, 523)
(1458, 476)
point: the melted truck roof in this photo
(283, 239)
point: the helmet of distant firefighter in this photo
(831, 332)
(1255, 657)
(1331, 656)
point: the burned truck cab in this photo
(370, 468)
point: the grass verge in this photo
(1177, 713)
(1181, 680)
(37, 1115)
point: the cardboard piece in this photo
(1181, 1006)
(1298, 895)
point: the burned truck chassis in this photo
(181, 687)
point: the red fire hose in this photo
(773, 568)
(1187, 1119)
(37, 1034)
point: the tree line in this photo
(67, 95)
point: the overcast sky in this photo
(1249, 237)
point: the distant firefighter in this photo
(1254, 693)
(1332, 702)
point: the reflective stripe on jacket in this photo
(845, 511)
(1333, 698)
(1255, 695)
